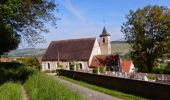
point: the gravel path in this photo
(86, 92)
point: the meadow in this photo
(43, 87)
(10, 91)
(38, 85)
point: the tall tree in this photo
(24, 20)
(148, 32)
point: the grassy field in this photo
(42, 87)
(10, 91)
(104, 90)
(120, 48)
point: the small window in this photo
(49, 66)
(81, 66)
(103, 40)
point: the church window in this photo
(81, 66)
(103, 40)
(49, 66)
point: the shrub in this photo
(151, 77)
(10, 91)
(60, 66)
(43, 87)
(102, 70)
(14, 72)
(30, 61)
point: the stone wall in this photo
(146, 89)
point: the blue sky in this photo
(85, 18)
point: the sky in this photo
(86, 18)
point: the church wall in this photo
(53, 65)
(95, 51)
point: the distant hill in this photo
(27, 52)
(120, 47)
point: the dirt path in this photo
(24, 94)
(86, 92)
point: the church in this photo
(84, 52)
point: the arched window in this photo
(103, 40)
(49, 66)
(81, 66)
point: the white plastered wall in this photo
(95, 51)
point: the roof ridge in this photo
(74, 39)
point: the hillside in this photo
(27, 52)
(120, 47)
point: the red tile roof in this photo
(102, 60)
(126, 65)
(70, 50)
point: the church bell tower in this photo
(105, 43)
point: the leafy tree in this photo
(148, 32)
(24, 20)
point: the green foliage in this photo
(10, 91)
(42, 87)
(148, 32)
(151, 77)
(26, 19)
(30, 61)
(102, 70)
(161, 70)
(77, 66)
(9, 40)
(50, 71)
(14, 72)
(60, 66)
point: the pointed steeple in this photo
(104, 33)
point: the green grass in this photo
(42, 87)
(104, 90)
(11, 91)
(121, 48)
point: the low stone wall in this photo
(146, 89)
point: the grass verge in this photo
(43, 87)
(105, 90)
(11, 91)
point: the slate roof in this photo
(70, 50)
(104, 33)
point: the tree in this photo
(24, 20)
(148, 32)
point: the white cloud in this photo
(73, 9)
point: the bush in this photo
(14, 72)
(10, 91)
(161, 70)
(43, 87)
(31, 62)
(60, 66)
(102, 70)
(151, 77)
